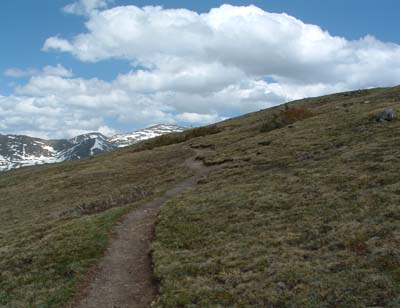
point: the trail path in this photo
(124, 277)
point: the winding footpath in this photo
(124, 278)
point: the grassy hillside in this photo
(302, 215)
(303, 211)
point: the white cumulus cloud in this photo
(249, 39)
(193, 68)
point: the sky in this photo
(71, 67)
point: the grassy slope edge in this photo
(306, 215)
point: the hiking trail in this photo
(124, 277)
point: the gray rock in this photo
(281, 285)
(386, 115)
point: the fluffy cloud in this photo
(194, 68)
(249, 39)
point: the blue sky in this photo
(26, 101)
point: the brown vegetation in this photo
(285, 117)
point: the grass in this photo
(55, 219)
(302, 216)
(306, 215)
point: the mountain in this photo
(124, 140)
(20, 151)
(300, 207)
(88, 145)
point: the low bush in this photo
(286, 117)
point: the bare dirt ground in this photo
(124, 277)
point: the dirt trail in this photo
(124, 277)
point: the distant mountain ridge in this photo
(19, 151)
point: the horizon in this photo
(75, 67)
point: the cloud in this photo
(248, 39)
(19, 73)
(86, 7)
(181, 76)
(188, 117)
(57, 44)
(57, 70)
(57, 106)
(194, 68)
(107, 131)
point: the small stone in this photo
(265, 143)
(386, 115)
(366, 102)
(375, 238)
(281, 285)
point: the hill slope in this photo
(302, 211)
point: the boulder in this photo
(386, 115)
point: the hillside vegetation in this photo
(302, 211)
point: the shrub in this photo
(286, 117)
(202, 131)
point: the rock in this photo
(386, 115)
(265, 143)
(375, 238)
(305, 156)
(281, 285)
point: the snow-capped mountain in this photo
(88, 145)
(19, 151)
(124, 140)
